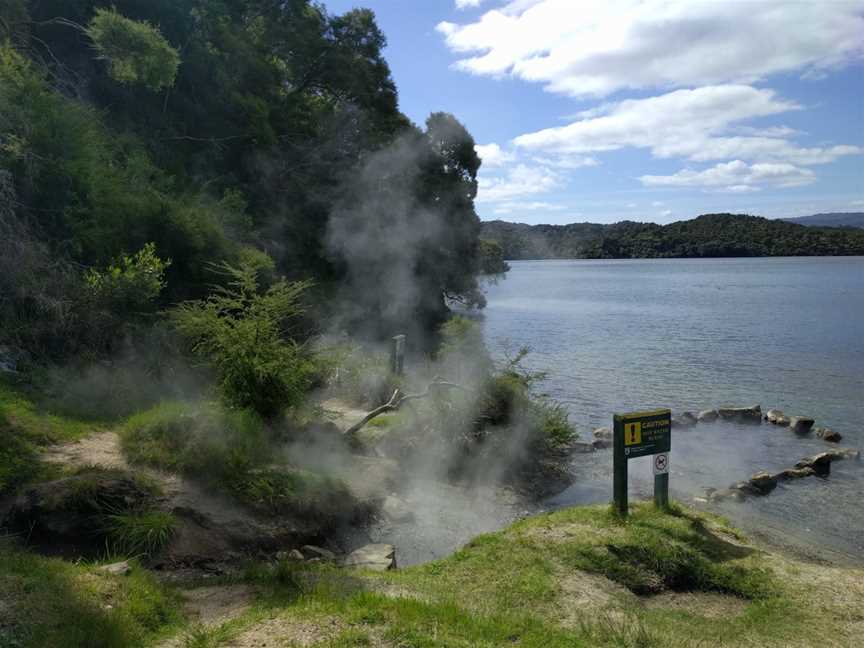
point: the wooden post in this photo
(619, 467)
(397, 355)
(661, 491)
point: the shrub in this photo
(136, 52)
(241, 332)
(131, 283)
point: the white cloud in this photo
(570, 162)
(736, 176)
(519, 181)
(467, 4)
(510, 207)
(666, 212)
(694, 124)
(493, 155)
(595, 47)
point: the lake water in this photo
(691, 334)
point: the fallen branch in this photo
(397, 400)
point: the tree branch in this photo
(397, 400)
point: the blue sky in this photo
(648, 110)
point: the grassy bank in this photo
(578, 577)
(24, 429)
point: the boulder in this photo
(821, 463)
(294, 555)
(829, 435)
(793, 473)
(377, 557)
(311, 551)
(707, 416)
(602, 438)
(116, 569)
(777, 417)
(397, 510)
(761, 483)
(751, 414)
(801, 424)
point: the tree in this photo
(241, 331)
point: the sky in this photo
(651, 110)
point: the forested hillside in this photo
(711, 235)
(144, 143)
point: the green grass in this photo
(232, 450)
(24, 429)
(510, 588)
(50, 602)
(140, 533)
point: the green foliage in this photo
(24, 429)
(710, 235)
(131, 283)
(201, 439)
(233, 451)
(140, 533)
(241, 331)
(492, 258)
(52, 602)
(136, 52)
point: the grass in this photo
(537, 584)
(232, 450)
(140, 533)
(50, 602)
(547, 582)
(25, 428)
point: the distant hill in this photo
(833, 219)
(710, 235)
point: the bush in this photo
(241, 332)
(131, 283)
(136, 52)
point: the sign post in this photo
(636, 435)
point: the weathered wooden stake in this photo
(397, 355)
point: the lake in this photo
(691, 334)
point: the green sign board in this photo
(644, 433)
(639, 434)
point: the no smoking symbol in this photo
(661, 464)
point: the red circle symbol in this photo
(660, 461)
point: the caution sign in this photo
(636, 435)
(661, 463)
(644, 433)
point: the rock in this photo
(377, 557)
(761, 483)
(801, 424)
(116, 569)
(775, 416)
(602, 438)
(794, 473)
(821, 463)
(751, 414)
(294, 555)
(726, 494)
(11, 359)
(397, 509)
(311, 552)
(65, 516)
(829, 435)
(707, 416)
(685, 419)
